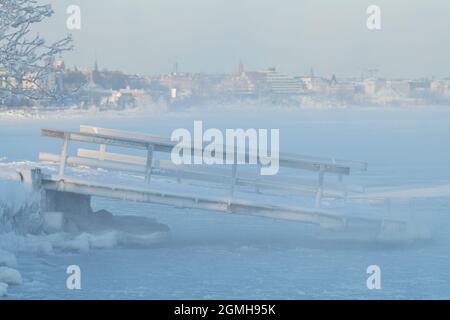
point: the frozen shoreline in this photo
(209, 255)
(95, 113)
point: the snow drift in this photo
(10, 276)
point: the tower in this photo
(312, 76)
(240, 68)
(96, 65)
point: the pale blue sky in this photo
(146, 36)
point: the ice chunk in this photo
(10, 276)
(79, 243)
(105, 240)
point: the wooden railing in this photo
(152, 144)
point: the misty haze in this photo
(209, 149)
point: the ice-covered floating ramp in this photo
(153, 181)
(407, 193)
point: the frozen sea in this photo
(216, 256)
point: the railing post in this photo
(178, 175)
(258, 177)
(233, 180)
(319, 193)
(102, 151)
(388, 204)
(64, 153)
(148, 168)
(387, 213)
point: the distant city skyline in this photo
(212, 36)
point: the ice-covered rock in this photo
(10, 276)
(19, 207)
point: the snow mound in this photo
(103, 240)
(84, 242)
(103, 230)
(10, 276)
(47, 244)
(81, 233)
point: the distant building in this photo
(181, 82)
(321, 86)
(240, 85)
(317, 85)
(259, 82)
(281, 83)
(372, 86)
(401, 87)
(440, 87)
(342, 88)
(308, 83)
(240, 68)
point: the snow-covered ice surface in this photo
(213, 255)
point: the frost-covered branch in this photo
(26, 60)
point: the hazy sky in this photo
(147, 36)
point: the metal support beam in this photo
(102, 152)
(148, 167)
(258, 177)
(64, 153)
(233, 180)
(320, 189)
(237, 206)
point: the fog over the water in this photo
(147, 37)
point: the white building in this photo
(401, 87)
(440, 87)
(372, 86)
(281, 83)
